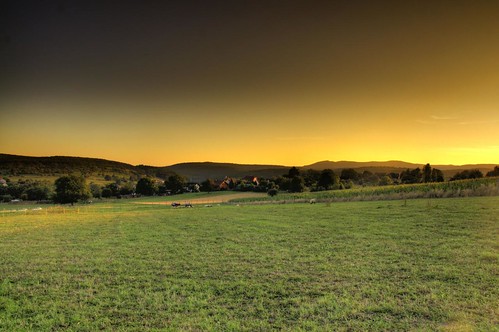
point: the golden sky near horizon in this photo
(252, 81)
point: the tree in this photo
(95, 190)
(327, 179)
(385, 180)
(369, 178)
(127, 188)
(427, 173)
(297, 185)
(495, 172)
(437, 175)
(411, 176)
(146, 187)
(71, 189)
(311, 177)
(207, 185)
(111, 189)
(293, 172)
(175, 183)
(467, 174)
(349, 174)
(106, 192)
(38, 193)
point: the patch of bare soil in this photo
(207, 200)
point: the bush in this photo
(6, 198)
(467, 174)
(38, 193)
(106, 192)
(272, 192)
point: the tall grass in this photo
(464, 188)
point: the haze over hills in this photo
(14, 165)
(391, 164)
(394, 166)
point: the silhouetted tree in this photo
(127, 188)
(427, 173)
(146, 187)
(385, 180)
(296, 185)
(311, 177)
(467, 174)
(207, 185)
(327, 179)
(495, 172)
(175, 183)
(349, 174)
(283, 183)
(293, 172)
(71, 189)
(106, 192)
(411, 176)
(437, 175)
(111, 189)
(369, 178)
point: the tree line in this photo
(72, 188)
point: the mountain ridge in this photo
(389, 163)
(19, 165)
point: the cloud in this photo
(438, 117)
(300, 138)
(434, 119)
(425, 122)
(477, 122)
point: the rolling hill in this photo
(15, 166)
(395, 166)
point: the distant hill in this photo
(394, 166)
(201, 171)
(355, 164)
(14, 165)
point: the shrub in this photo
(272, 192)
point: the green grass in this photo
(388, 265)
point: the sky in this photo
(261, 82)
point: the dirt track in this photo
(206, 200)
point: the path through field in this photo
(215, 199)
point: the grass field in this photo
(488, 186)
(386, 265)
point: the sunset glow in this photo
(267, 83)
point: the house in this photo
(251, 179)
(227, 183)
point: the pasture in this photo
(379, 265)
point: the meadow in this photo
(488, 186)
(422, 264)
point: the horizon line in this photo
(251, 164)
